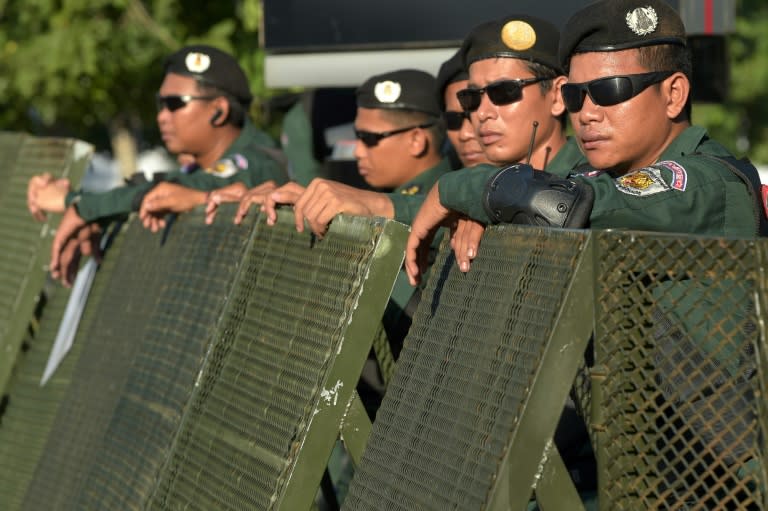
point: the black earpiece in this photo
(216, 115)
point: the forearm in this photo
(118, 201)
(462, 191)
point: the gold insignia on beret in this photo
(518, 35)
(197, 62)
(387, 91)
(643, 20)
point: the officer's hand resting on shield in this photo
(46, 194)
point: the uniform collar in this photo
(686, 142)
(568, 155)
(421, 183)
(247, 134)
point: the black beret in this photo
(213, 67)
(404, 89)
(518, 36)
(451, 71)
(612, 25)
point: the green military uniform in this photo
(407, 200)
(685, 191)
(682, 192)
(412, 92)
(244, 161)
(688, 190)
(251, 159)
(298, 146)
(463, 190)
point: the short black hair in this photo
(548, 74)
(238, 111)
(668, 57)
(402, 118)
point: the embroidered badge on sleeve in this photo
(643, 182)
(679, 175)
(223, 168)
(241, 161)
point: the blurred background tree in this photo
(741, 122)
(90, 68)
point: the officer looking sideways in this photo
(451, 78)
(513, 100)
(203, 106)
(399, 138)
(628, 98)
(629, 104)
(514, 82)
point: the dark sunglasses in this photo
(371, 139)
(500, 93)
(454, 120)
(611, 90)
(174, 102)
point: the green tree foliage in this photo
(89, 67)
(741, 122)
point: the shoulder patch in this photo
(223, 168)
(241, 161)
(643, 182)
(412, 190)
(679, 175)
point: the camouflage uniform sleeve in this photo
(691, 194)
(462, 191)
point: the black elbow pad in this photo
(518, 194)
